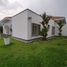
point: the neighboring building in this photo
(57, 19)
(52, 28)
(6, 24)
(26, 25)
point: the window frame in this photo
(35, 29)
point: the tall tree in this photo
(44, 31)
(1, 31)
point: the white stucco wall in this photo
(51, 23)
(22, 27)
(34, 19)
(64, 30)
(19, 26)
(37, 19)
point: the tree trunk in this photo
(0, 35)
(44, 37)
(60, 32)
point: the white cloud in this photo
(9, 7)
(52, 7)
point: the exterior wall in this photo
(51, 23)
(64, 30)
(9, 25)
(34, 19)
(19, 26)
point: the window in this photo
(29, 18)
(35, 29)
(53, 30)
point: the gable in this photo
(26, 10)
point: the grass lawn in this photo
(51, 53)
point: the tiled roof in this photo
(57, 17)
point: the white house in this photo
(26, 25)
(64, 30)
(52, 28)
(56, 20)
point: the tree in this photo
(60, 24)
(1, 31)
(44, 31)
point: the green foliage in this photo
(45, 25)
(44, 31)
(45, 18)
(1, 29)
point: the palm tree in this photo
(45, 26)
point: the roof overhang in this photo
(5, 20)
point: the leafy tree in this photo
(44, 23)
(1, 31)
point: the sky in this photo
(51, 7)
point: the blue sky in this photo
(51, 7)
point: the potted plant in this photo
(6, 39)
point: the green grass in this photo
(51, 53)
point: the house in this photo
(26, 25)
(56, 19)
